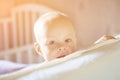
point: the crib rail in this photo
(4, 31)
(24, 54)
(24, 18)
(16, 33)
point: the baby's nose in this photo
(62, 49)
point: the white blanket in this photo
(99, 62)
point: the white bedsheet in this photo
(7, 66)
(99, 62)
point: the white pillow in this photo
(100, 62)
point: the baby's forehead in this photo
(58, 26)
(59, 32)
(52, 24)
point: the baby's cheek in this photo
(72, 47)
(52, 49)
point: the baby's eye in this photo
(68, 40)
(51, 42)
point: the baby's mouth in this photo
(61, 56)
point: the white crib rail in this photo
(20, 32)
(24, 18)
(19, 55)
(4, 24)
(24, 22)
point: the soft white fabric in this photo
(99, 62)
(7, 66)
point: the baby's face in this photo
(58, 41)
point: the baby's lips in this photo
(61, 56)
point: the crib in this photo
(17, 36)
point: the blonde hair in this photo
(47, 18)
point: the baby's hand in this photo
(108, 38)
(104, 38)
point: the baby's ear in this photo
(37, 48)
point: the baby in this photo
(55, 36)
